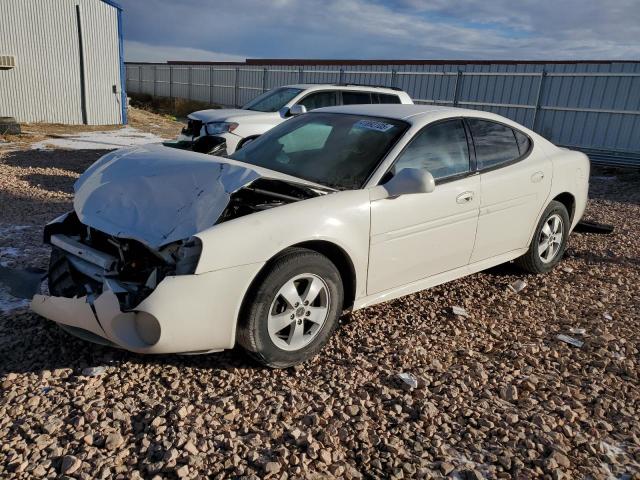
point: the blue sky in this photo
(160, 30)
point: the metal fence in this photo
(590, 106)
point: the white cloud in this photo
(453, 29)
(143, 52)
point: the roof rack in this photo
(397, 89)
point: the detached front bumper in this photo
(205, 143)
(179, 144)
(184, 314)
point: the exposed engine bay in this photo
(266, 193)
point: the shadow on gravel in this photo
(505, 270)
(616, 184)
(30, 344)
(23, 209)
(75, 161)
(591, 258)
(52, 183)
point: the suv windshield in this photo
(273, 100)
(332, 149)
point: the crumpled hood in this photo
(227, 114)
(155, 194)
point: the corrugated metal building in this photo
(61, 61)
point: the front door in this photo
(416, 236)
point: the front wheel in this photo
(292, 310)
(549, 240)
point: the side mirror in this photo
(292, 111)
(408, 181)
(295, 110)
(284, 112)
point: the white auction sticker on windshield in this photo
(373, 125)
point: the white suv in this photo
(223, 131)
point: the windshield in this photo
(332, 149)
(273, 100)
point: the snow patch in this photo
(9, 252)
(13, 228)
(107, 140)
(9, 303)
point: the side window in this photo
(523, 142)
(495, 144)
(319, 100)
(441, 149)
(386, 98)
(355, 98)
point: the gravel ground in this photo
(497, 395)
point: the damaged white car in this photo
(337, 209)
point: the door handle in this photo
(537, 177)
(464, 197)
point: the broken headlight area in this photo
(85, 261)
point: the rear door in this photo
(515, 180)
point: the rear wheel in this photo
(549, 240)
(291, 312)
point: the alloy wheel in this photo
(550, 240)
(298, 311)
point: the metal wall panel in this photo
(101, 47)
(45, 85)
(595, 107)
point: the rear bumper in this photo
(184, 314)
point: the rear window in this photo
(523, 142)
(495, 143)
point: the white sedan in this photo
(337, 209)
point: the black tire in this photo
(253, 333)
(532, 261)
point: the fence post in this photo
(341, 76)
(300, 75)
(171, 82)
(543, 77)
(264, 79)
(211, 85)
(236, 87)
(457, 88)
(189, 81)
(394, 78)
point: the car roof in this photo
(337, 86)
(409, 113)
